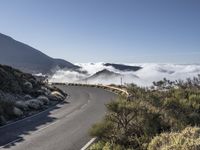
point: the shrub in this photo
(97, 146)
(106, 146)
(44, 99)
(7, 109)
(187, 139)
(102, 130)
(34, 104)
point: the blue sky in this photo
(107, 30)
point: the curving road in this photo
(64, 127)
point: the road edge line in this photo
(88, 144)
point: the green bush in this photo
(102, 130)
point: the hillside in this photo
(28, 59)
(22, 94)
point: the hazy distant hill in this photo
(123, 67)
(107, 77)
(104, 74)
(28, 59)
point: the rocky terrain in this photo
(22, 94)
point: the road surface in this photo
(64, 127)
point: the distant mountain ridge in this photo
(29, 59)
(123, 67)
(101, 75)
(104, 74)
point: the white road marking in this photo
(88, 144)
(40, 129)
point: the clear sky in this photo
(107, 30)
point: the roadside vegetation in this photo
(165, 116)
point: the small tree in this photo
(128, 124)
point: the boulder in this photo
(45, 90)
(33, 81)
(2, 120)
(27, 97)
(34, 104)
(43, 99)
(56, 96)
(28, 85)
(41, 91)
(22, 105)
(38, 92)
(17, 112)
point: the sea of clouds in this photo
(144, 77)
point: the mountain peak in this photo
(106, 72)
(27, 58)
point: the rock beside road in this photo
(55, 95)
(43, 99)
(17, 112)
(27, 97)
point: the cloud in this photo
(66, 76)
(150, 72)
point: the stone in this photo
(17, 112)
(28, 85)
(34, 104)
(56, 96)
(44, 99)
(22, 105)
(27, 97)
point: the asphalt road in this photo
(64, 127)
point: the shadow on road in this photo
(13, 133)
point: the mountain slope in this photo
(28, 59)
(104, 74)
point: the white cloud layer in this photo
(150, 72)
